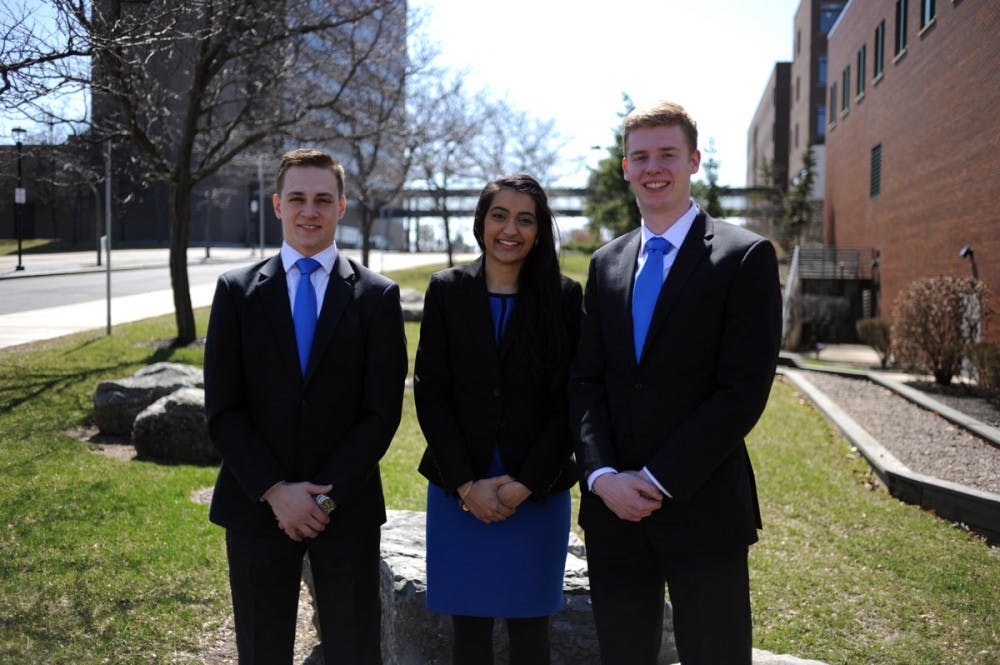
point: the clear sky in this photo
(572, 61)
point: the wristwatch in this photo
(326, 503)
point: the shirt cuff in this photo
(656, 482)
(597, 474)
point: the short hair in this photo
(313, 158)
(660, 114)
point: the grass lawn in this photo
(109, 561)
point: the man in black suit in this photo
(673, 369)
(304, 367)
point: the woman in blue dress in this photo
(490, 381)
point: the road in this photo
(59, 295)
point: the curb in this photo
(977, 510)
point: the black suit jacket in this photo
(472, 396)
(330, 427)
(701, 383)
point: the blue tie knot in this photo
(307, 266)
(658, 244)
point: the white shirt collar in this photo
(326, 258)
(676, 233)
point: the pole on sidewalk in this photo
(107, 230)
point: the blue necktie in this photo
(304, 311)
(647, 289)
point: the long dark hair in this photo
(538, 319)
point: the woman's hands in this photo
(493, 499)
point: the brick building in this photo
(791, 116)
(913, 141)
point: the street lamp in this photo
(967, 253)
(19, 195)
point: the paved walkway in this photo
(48, 322)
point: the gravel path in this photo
(920, 439)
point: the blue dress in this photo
(509, 569)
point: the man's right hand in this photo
(629, 496)
(295, 508)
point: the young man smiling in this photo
(304, 366)
(660, 407)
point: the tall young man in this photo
(304, 368)
(679, 341)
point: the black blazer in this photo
(330, 427)
(471, 396)
(701, 383)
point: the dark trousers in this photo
(529, 641)
(709, 595)
(265, 573)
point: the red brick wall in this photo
(936, 113)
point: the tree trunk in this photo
(366, 231)
(180, 208)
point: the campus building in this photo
(791, 116)
(913, 142)
(65, 182)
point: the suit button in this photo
(503, 423)
(496, 392)
(637, 386)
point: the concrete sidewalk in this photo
(48, 322)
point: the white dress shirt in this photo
(319, 278)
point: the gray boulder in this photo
(173, 427)
(118, 402)
(412, 303)
(411, 634)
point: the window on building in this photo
(798, 42)
(797, 81)
(900, 26)
(821, 67)
(833, 102)
(821, 120)
(845, 92)
(862, 57)
(928, 10)
(828, 14)
(875, 178)
(879, 56)
(796, 135)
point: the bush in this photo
(876, 333)
(935, 318)
(985, 359)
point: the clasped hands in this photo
(630, 495)
(295, 507)
(493, 499)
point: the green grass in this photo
(109, 561)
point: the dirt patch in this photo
(115, 447)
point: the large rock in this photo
(173, 427)
(118, 402)
(413, 635)
(412, 303)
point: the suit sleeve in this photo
(589, 419)
(544, 462)
(747, 356)
(433, 386)
(230, 427)
(355, 458)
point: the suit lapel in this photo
(619, 286)
(339, 291)
(272, 288)
(691, 252)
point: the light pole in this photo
(19, 196)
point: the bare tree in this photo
(511, 140)
(448, 123)
(189, 85)
(371, 122)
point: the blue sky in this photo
(572, 61)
